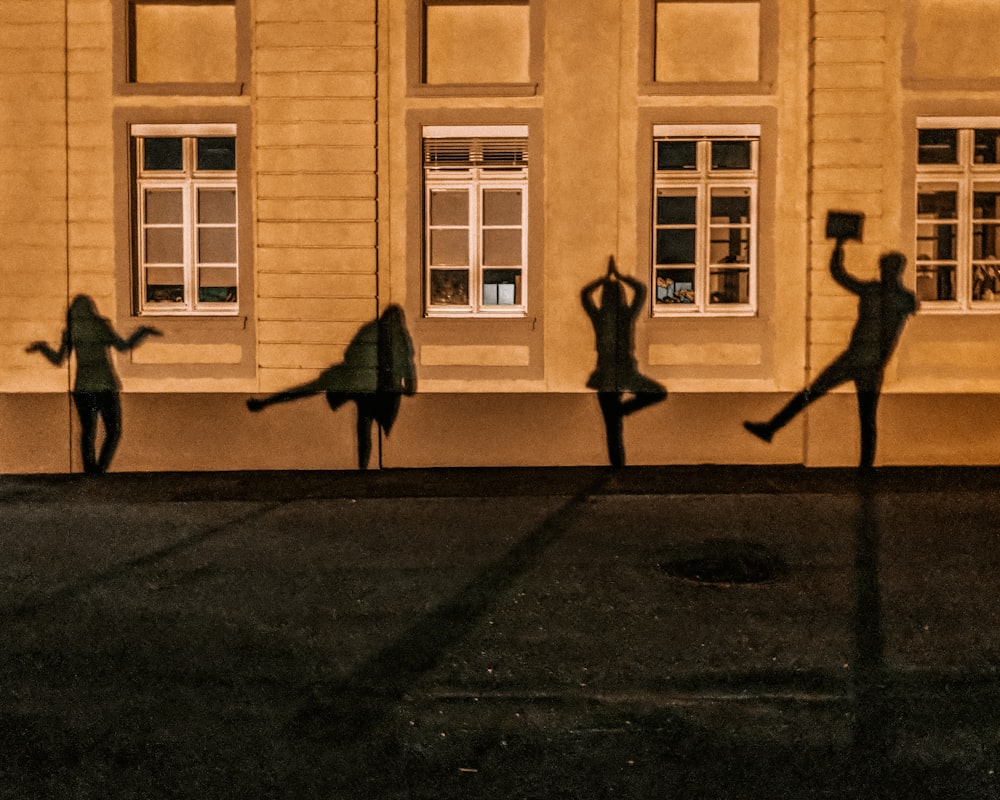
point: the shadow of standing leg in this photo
(871, 746)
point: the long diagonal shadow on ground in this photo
(363, 703)
(31, 606)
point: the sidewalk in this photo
(489, 633)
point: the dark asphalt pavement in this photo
(701, 632)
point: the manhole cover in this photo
(725, 562)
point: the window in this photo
(475, 220)
(183, 41)
(186, 219)
(476, 41)
(705, 219)
(958, 216)
(707, 41)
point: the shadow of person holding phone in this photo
(376, 372)
(96, 389)
(617, 373)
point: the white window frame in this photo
(963, 177)
(700, 182)
(476, 180)
(189, 181)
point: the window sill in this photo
(519, 314)
(925, 309)
(474, 90)
(696, 314)
(132, 88)
(654, 88)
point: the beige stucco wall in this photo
(332, 96)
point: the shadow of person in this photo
(869, 676)
(883, 308)
(617, 372)
(96, 389)
(376, 371)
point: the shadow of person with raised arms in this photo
(376, 371)
(617, 372)
(96, 389)
(883, 308)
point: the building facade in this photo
(259, 179)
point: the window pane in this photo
(984, 241)
(502, 248)
(217, 153)
(502, 207)
(937, 146)
(217, 206)
(936, 242)
(501, 287)
(217, 285)
(449, 287)
(450, 247)
(731, 155)
(731, 205)
(985, 205)
(986, 283)
(676, 155)
(164, 246)
(937, 204)
(216, 245)
(729, 286)
(730, 246)
(673, 210)
(165, 285)
(164, 293)
(166, 153)
(675, 247)
(675, 286)
(164, 207)
(987, 145)
(449, 207)
(935, 282)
